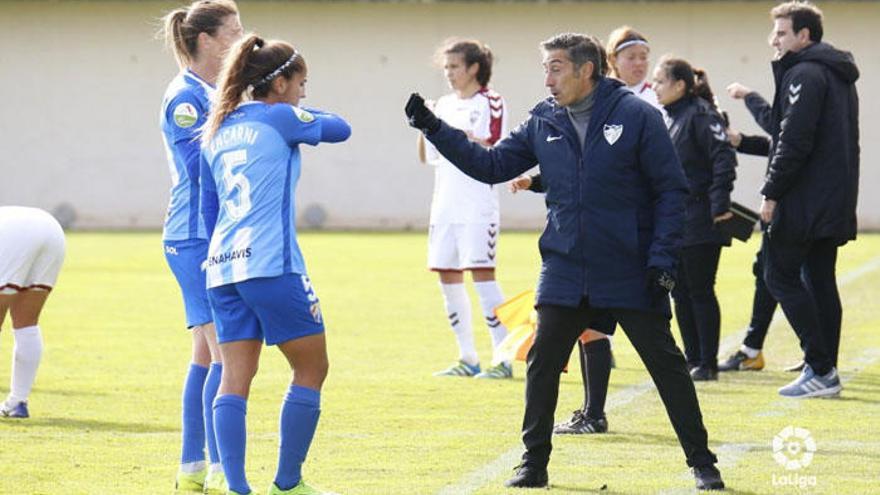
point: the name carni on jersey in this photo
(229, 256)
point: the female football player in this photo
(257, 281)
(199, 36)
(464, 224)
(31, 254)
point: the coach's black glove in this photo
(419, 116)
(660, 284)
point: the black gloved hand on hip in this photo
(419, 116)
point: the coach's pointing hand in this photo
(419, 116)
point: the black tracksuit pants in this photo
(696, 306)
(559, 328)
(763, 307)
(801, 276)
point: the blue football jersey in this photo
(254, 163)
(184, 110)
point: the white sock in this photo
(490, 298)
(216, 467)
(25, 360)
(748, 351)
(458, 310)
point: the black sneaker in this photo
(581, 424)
(704, 374)
(741, 361)
(528, 476)
(795, 368)
(708, 478)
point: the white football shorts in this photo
(31, 249)
(462, 246)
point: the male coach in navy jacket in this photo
(811, 187)
(615, 211)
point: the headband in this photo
(275, 73)
(627, 44)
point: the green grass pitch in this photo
(105, 408)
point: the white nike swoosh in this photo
(550, 139)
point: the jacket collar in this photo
(677, 107)
(608, 91)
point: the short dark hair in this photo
(580, 48)
(802, 15)
(473, 52)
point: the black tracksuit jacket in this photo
(813, 170)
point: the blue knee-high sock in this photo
(193, 449)
(212, 383)
(231, 430)
(299, 419)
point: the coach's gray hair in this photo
(580, 48)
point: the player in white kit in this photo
(31, 254)
(464, 225)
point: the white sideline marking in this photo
(729, 454)
(479, 477)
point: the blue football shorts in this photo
(273, 309)
(185, 259)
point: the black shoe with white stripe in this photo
(581, 424)
(528, 476)
(708, 478)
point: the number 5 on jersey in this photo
(232, 159)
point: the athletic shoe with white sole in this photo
(460, 368)
(740, 361)
(708, 478)
(15, 410)
(302, 488)
(581, 424)
(795, 368)
(215, 483)
(500, 371)
(190, 482)
(809, 384)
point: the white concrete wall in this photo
(83, 82)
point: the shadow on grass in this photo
(623, 438)
(604, 490)
(70, 393)
(580, 489)
(87, 425)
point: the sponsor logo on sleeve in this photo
(303, 115)
(185, 115)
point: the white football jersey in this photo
(644, 91)
(457, 197)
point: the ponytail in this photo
(701, 88)
(251, 64)
(181, 27)
(174, 37)
(231, 84)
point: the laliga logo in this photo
(793, 448)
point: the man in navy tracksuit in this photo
(615, 194)
(811, 188)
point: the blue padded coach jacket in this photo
(615, 204)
